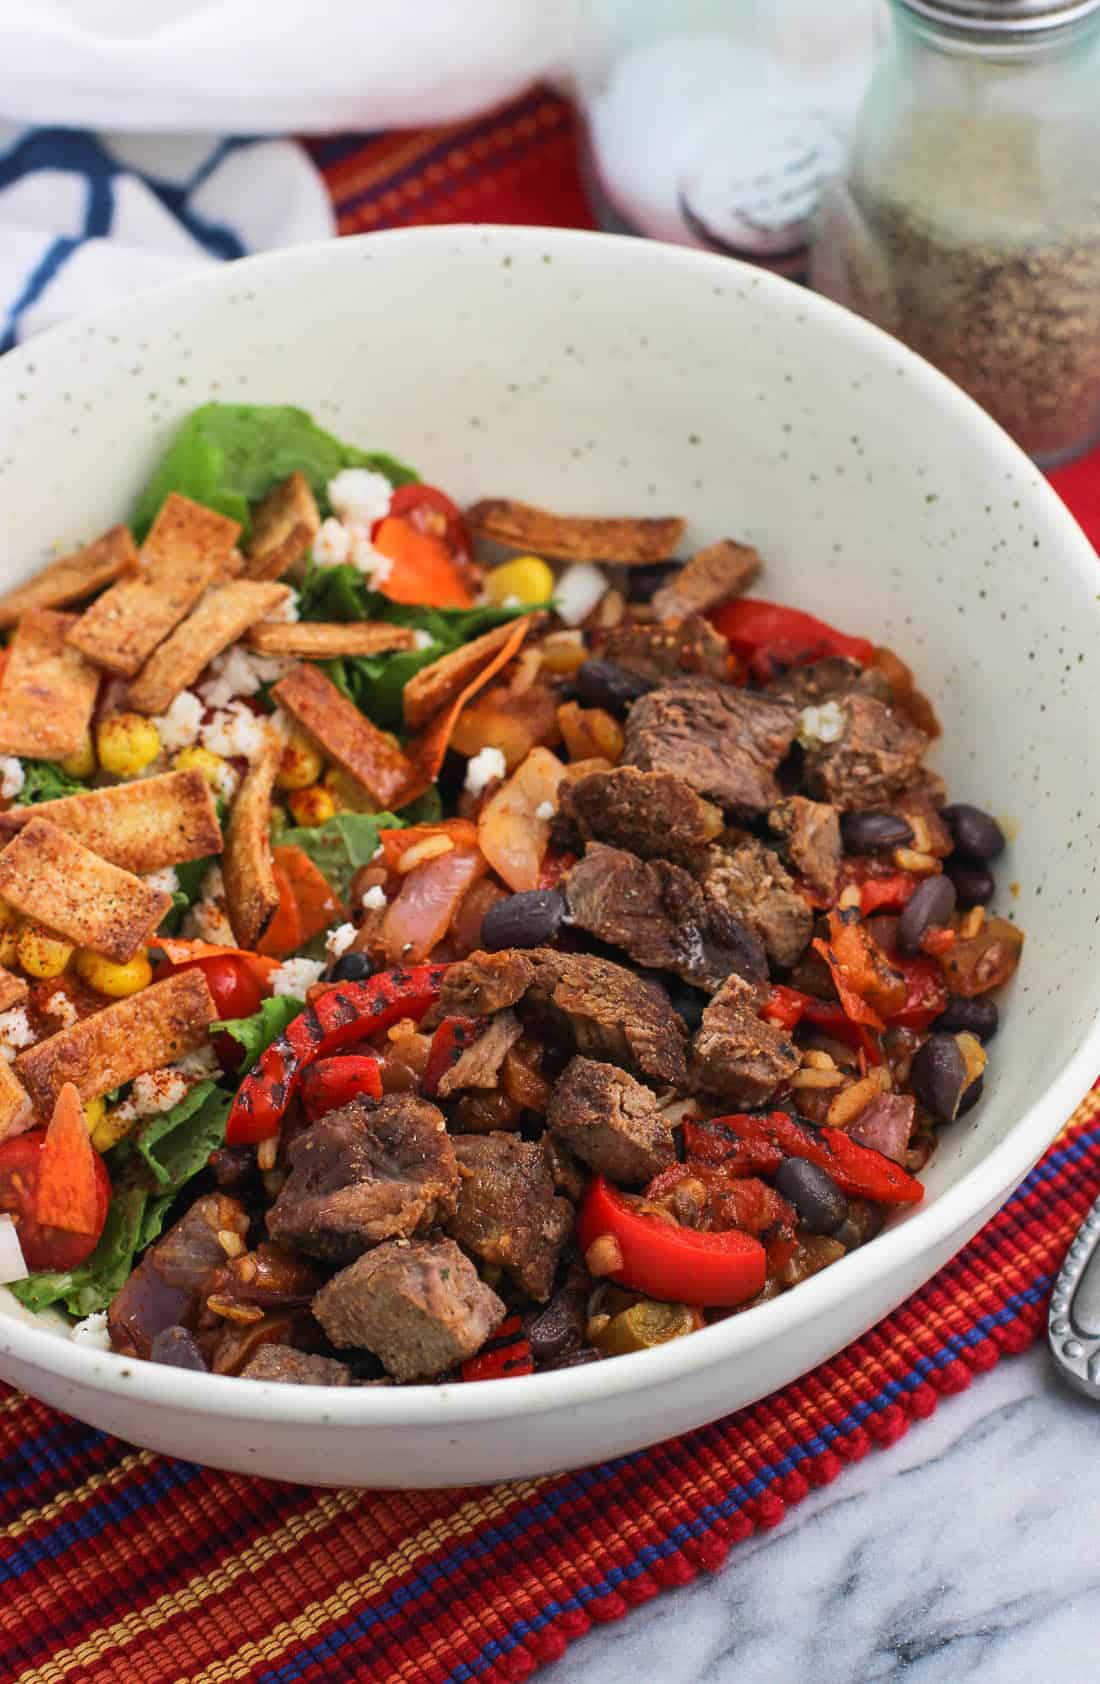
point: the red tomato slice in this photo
(664, 1260)
(44, 1246)
(432, 511)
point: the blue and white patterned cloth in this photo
(86, 218)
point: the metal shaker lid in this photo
(999, 19)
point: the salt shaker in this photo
(968, 220)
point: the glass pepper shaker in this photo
(968, 220)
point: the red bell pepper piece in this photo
(881, 888)
(348, 1011)
(857, 1170)
(784, 1006)
(664, 1260)
(788, 1007)
(769, 635)
(925, 996)
(70, 1172)
(507, 1353)
(712, 1141)
(449, 1042)
(333, 1082)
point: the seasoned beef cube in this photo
(483, 984)
(726, 743)
(736, 1056)
(810, 836)
(655, 815)
(420, 1307)
(707, 578)
(877, 756)
(828, 680)
(662, 649)
(751, 882)
(168, 1287)
(480, 1064)
(610, 1121)
(369, 1172)
(508, 1212)
(289, 1367)
(659, 915)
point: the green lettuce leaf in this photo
(337, 593)
(175, 1146)
(229, 455)
(255, 1034)
(43, 780)
(189, 875)
(341, 845)
(92, 1286)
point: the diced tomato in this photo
(233, 985)
(44, 1245)
(772, 637)
(666, 1261)
(858, 1170)
(925, 993)
(449, 1042)
(432, 511)
(333, 1082)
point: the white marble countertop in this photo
(967, 1551)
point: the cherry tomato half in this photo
(43, 1247)
(432, 511)
(235, 990)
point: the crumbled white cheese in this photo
(578, 591)
(372, 564)
(165, 880)
(213, 883)
(92, 1331)
(179, 727)
(822, 724)
(295, 976)
(226, 782)
(154, 1092)
(359, 496)
(60, 1006)
(338, 940)
(375, 899)
(485, 766)
(512, 602)
(422, 640)
(15, 1032)
(545, 810)
(332, 545)
(11, 776)
(239, 672)
(235, 731)
(286, 613)
(200, 1064)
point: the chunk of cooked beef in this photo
(508, 1212)
(658, 649)
(710, 576)
(371, 1171)
(171, 1283)
(726, 743)
(735, 1055)
(658, 914)
(610, 1121)
(419, 1306)
(754, 886)
(591, 1004)
(809, 833)
(288, 1367)
(877, 755)
(655, 815)
(479, 1065)
(827, 680)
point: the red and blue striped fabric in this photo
(119, 1564)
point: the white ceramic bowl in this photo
(598, 374)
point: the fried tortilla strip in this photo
(187, 548)
(225, 612)
(708, 577)
(48, 690)
(360, 748)
(50, 877)
(251, 893)
(318, 640)
(284, 526)
(73, 577)
(13, 990)
(436, 687)
(428, 749)
(139, 826)
(16, 1113)
(124, 1040)
(627, 541)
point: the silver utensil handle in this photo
(1073, 1326)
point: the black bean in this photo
(937, 1075)
(177, 1348)
(530, 919)
(972, 1095)
(351, 967)
(931, 903)
(604, 684)
(974, 833)
(558, 1330)
(974, 883)
(978, 1017)
(848, 1235)
(643, 583)
(866, 833)
(814, 1194)
(689, 1002)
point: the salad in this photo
(454, 944)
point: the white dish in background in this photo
(605, 375)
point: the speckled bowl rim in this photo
(920, 1232)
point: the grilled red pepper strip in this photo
(505, 1354)
(449, 1043)
(664, 1260)
(349, 1011)
(858, 1170)
(926, 993)
(788, 1007)
(333, 1082)
(769, 634)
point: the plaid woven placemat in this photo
(118, 1564)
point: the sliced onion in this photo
(12, 1265)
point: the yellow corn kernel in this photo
(82, 763)
(110, 1129)
(311, 806)
(9, 947)
(299, 765)
(204, 760)
(127, 743)
(9, 918)
(94, 1112)
(116, 980)
(348, 794)
(40, 953)
(526, 577)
